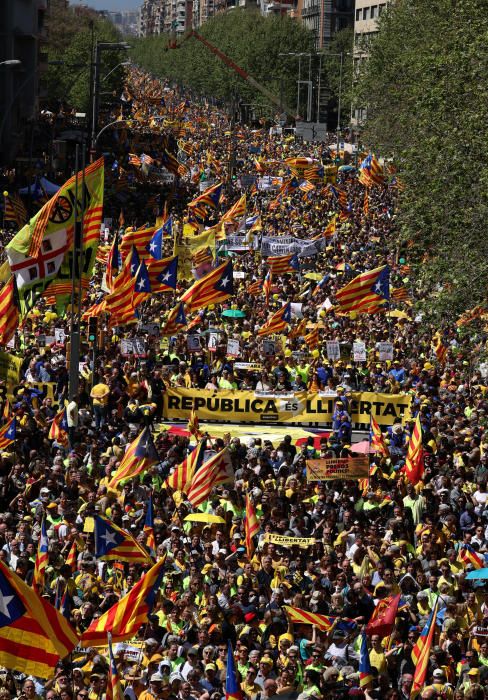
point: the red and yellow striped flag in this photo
(268, 281)
(414, 462)
(278, 321)
(237, 210)
(9, 313)
(215, 471)
(323, 622)
(42, 558)
(376, 439)
(182, 476)
(34, 636)
(365, 291)
(281, 264)
(140, 455)
(124, 618)
(194, 424)
(299, 330)
(114, 690)
(421, 652)
(214, 288)
(312, 338)
(255, 288)
(400, 294)
(251, 526)
(72, 559)
(440, 349)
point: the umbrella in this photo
(478, 573)
(234, 313)
(363, 447)
(346, 168)
(204, 518)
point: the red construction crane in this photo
(274, 99)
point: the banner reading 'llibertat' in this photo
(294, 408)
(340, 468)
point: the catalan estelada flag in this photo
(237, 210)
(365, 291)
(209, 198)
(114, 690)
(400, 294)
(7, 410)
(59, 428)
(149, 527)
(365, 674)
(113, 543)
(9, 312)
(182, 476)
(251, 526)
(255, 288)
(217, 286)
(124, 618)
(281, 264)
(232, 687)
(371, 172)
(278, 321)
(467, 555)
(142, 285)
(163, 274)
(140, 455)
(331, 227)
(421, 652)
(215, 471)
(71, 559)
(114, 262)
(42, 558)
(322, 622)
(414, 462)
(312, 338)
(8, 433)
(176, 320)
(376, 439)
(34, 636)
(299, 330)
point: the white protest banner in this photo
(133, 346)
(385, 350)
(359, 351)
(333, 350)
(236, 242)
(233, 348)
(239, 275)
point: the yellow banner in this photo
(300, 408)
(341, 468)
(284, 541)
(10, 368)
(190, 244)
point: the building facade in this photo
(23, 33)
(325, 18)
(367, 14)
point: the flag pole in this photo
(74, 334)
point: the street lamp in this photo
(101, 46)
(124, 63)
(11, 62)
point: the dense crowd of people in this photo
(366, 542)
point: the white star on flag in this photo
(4, 601)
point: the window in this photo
(358, 15)
(381, 8)
(365, 12)
(374, 11)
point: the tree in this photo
(252, 41)
(425, 90)
(71, 33)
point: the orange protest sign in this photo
(340, 468)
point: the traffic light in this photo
(92, 328)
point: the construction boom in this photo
(242, 73)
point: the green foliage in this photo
(70, 41)
(252, 41)
(426, 93)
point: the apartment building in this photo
(325, 18)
